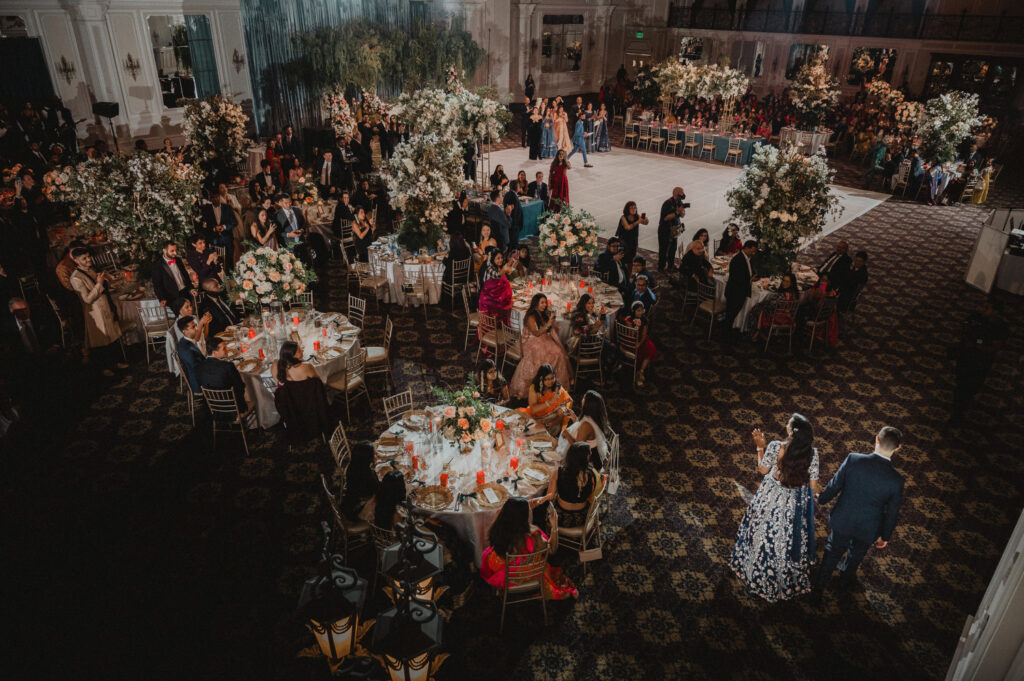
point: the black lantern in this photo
(417, 559)
(407, 635)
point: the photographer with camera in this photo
(670, 227)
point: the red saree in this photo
(558, 186)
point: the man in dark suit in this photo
(737, 288)
(501, 222)
(290, 145)
(263, 185)
(189, 353)
(169, 276)
(24, 333)
(856, 278)
(538, 189)
(343, 210)
(222, 315)
(328, 177)
(669, 229)
(610, 264)
(291, 224)
(365, 196)
(219, 221)
(870, 492)
(217, 373)
(516, 215)
(837, 265)
(642, 292)
(383, 132)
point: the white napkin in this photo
(489, 494)
(533, 473)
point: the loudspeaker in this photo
(106, 109)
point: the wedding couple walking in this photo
(775, 543)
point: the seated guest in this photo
(182, 307)
(511, 534)
(291, 223)
(492, 385)
(263, 185)
(695, 268)
(205, 262)
(363, 234)
(219, 221)
(610, 264)
(300, 398)
(541, 347)
(642, 293)
(67, 265)
(646, 352)
(217, 373)
(572, 485)
(189, 353)
(484, 241)
(917, 173)
(222, 315)
(365, 197)
(289, 365)
(538, 189)
(701, 235)
(638, 267)
(810, 307)
(589, 322)
(592, 429)
(837, 265)
(731, 242)
(498, 178)
(384, 509)
(344, 210)
(458, 249)
(856, 278)
(169, 276)
(548, 402)
(765, 312)
(522, 184)
(521, 261)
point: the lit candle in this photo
(500, 424)
(415, 462)
(582, 283)
(590, 289)
(568, 306)
(514, 462)
(262, 354)
(316, 345)
(295, 320)
(410, 447)
(252, 333)
(519, 442)
(325, 331)
(543, 281)
(444, 479)
(128, 275)
(480, 477)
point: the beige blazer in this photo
(100, 326)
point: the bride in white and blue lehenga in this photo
(775, 542)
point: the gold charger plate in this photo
(543, 470)
(407, 472)
(498, 489)
(416, 419)
(249, 365)
(433, 497)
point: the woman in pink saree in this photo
(495, 291)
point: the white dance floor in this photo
(623, 175)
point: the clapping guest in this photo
(222, 315)
(205, 263)
(646, 352)
(169, 276)
(540, 347)
(491, 384)
(182, 307)
(102, 328)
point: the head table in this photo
(327, 341)
(466, 490)
(563, 294)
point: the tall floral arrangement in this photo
(138, 202)
(456, 114)
(884, 93)
(338, 112)
(908, 114)
(571, 232)
(264, 275)
(481, 118)
(466, 416)
(783, 198)
(814, 93)
(423, 177)
(373, 106)
(215, 128)
(947, 121)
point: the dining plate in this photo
(407, 472)
(433, 497)
(542, 441)
(250, 365)
(416, 420)
(537, 472)
(500, 493)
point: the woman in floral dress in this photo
(775, 542)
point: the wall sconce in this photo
(238, 60)
(132, 66)
(66, 69)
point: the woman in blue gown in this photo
(601, 125)
(548, 148)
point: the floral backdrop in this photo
(339, 114)
(699, 80)
(216, 130)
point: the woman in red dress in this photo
(558, 182)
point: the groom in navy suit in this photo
(870, 492)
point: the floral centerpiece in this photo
(303, 190)
(947, 121)
(570, 233)
(265, 276)
(374, 107)
(783, 198)
(423, 177)
(339, 114)
(908, 114)
(215, 128)
(137, 202)
(814, 93)
(467, 417)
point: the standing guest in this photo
(669, 229)
(645, 351)
(610, 264)
(548, 146)
(455, 221)
(562, 138)
(362, 234)
(500, 216)
(190, 355)
(540, 346)
(524, 123)
(981, 337)
(533, 133)
(856, 279)
(291, 223)
(263, 185)
(469, 156)
(515, 215)
(102, 329)
(529, 88)
(205, 262)
(538, 189)
(601, 121)
(775, 541)
(169, 276)
(343, 210)
(328, 177)
(548, 402)
(67, 265)
(628, 230)
(558, 182)
(917, 173)
(220, 222)
(290, 145)
(870, 493)
(222, 315)
(492, 385)
(579, 142)
(229, 199)
(738, 286)
(217, 373)
(264, 230)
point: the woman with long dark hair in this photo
(548, 402)
(289, 365)
(775, 542)
(572, 485)
(540, 346)
(495, 289)
(628, 230)
(384, 509)
(591, 429)
(512, 533)
(558, 182)
(492, 385)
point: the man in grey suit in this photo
(870, 492)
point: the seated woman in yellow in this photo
(549, 403)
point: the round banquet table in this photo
(470, 517)
(760, 290)
(562, 296)
(430, 267)
(340, 343)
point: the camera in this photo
(684, 205)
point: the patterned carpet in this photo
(132, 547)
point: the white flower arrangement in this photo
(423, 177)
(216, 129)
(947, 121)
(908, 114)
(264, 275)
(700, 80)
(303, 190)
(783, 197)
(460, 114)
(814, 93)
(373, 106)
(862, 60)
(138, 202)
(338, 112)
(572, 232)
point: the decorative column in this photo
(526, 10)
(89, 21)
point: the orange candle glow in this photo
(480, 477)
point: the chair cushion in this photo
(525, 588)
(713, 306)
(375, 354)
(474, 318)
(360, 527)
(574, 532)
(491, 338)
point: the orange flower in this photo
(463, 423)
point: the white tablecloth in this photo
(432, 272)
(252, 163)
(563, 296)
(760, 291)
(806, 141)
(472, 520)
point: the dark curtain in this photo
(25, 73)
(204, 63)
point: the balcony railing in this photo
(962, 26)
